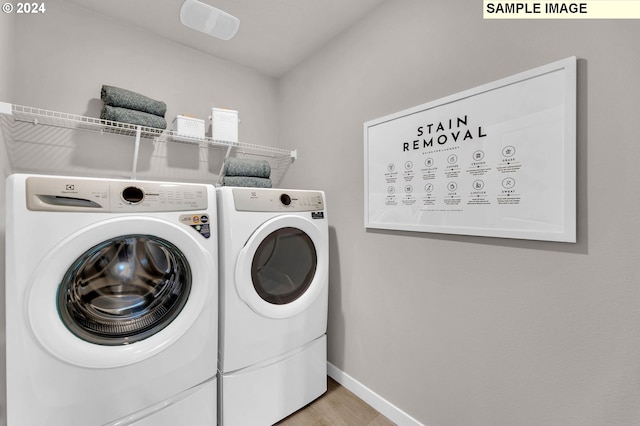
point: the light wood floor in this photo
(337, 407)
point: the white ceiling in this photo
(274, 35)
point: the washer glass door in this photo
(110, 296)
(124, 289)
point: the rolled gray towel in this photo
(123, 98)
(247, 181)
(246, 167)
(129, 116)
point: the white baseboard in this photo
(383, 406)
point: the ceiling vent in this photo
(208, 19)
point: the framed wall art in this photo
(498, 160)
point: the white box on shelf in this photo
(224, 124)
(189, 127)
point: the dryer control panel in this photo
(95, 195)
(277, 200)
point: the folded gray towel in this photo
(129, 116)
(246, 167)
(247, 181)
(123, 98)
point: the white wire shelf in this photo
(49, 142)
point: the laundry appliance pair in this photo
(112, 314)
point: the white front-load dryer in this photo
(273, 302)
(111, 302)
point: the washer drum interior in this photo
(124, 290)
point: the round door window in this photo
(124, 290)
(284, 265)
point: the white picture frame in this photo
(498, 160)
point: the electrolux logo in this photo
(443, 132)
(69, 188)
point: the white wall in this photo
(63, 58)
(459, 330)
(6, 56)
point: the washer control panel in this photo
(93, 195)
(277, 200)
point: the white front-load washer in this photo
(273, 303)
(111, 302)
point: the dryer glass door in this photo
(284, 265)
(124, 289)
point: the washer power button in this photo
(285, 199)
(132, 194)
